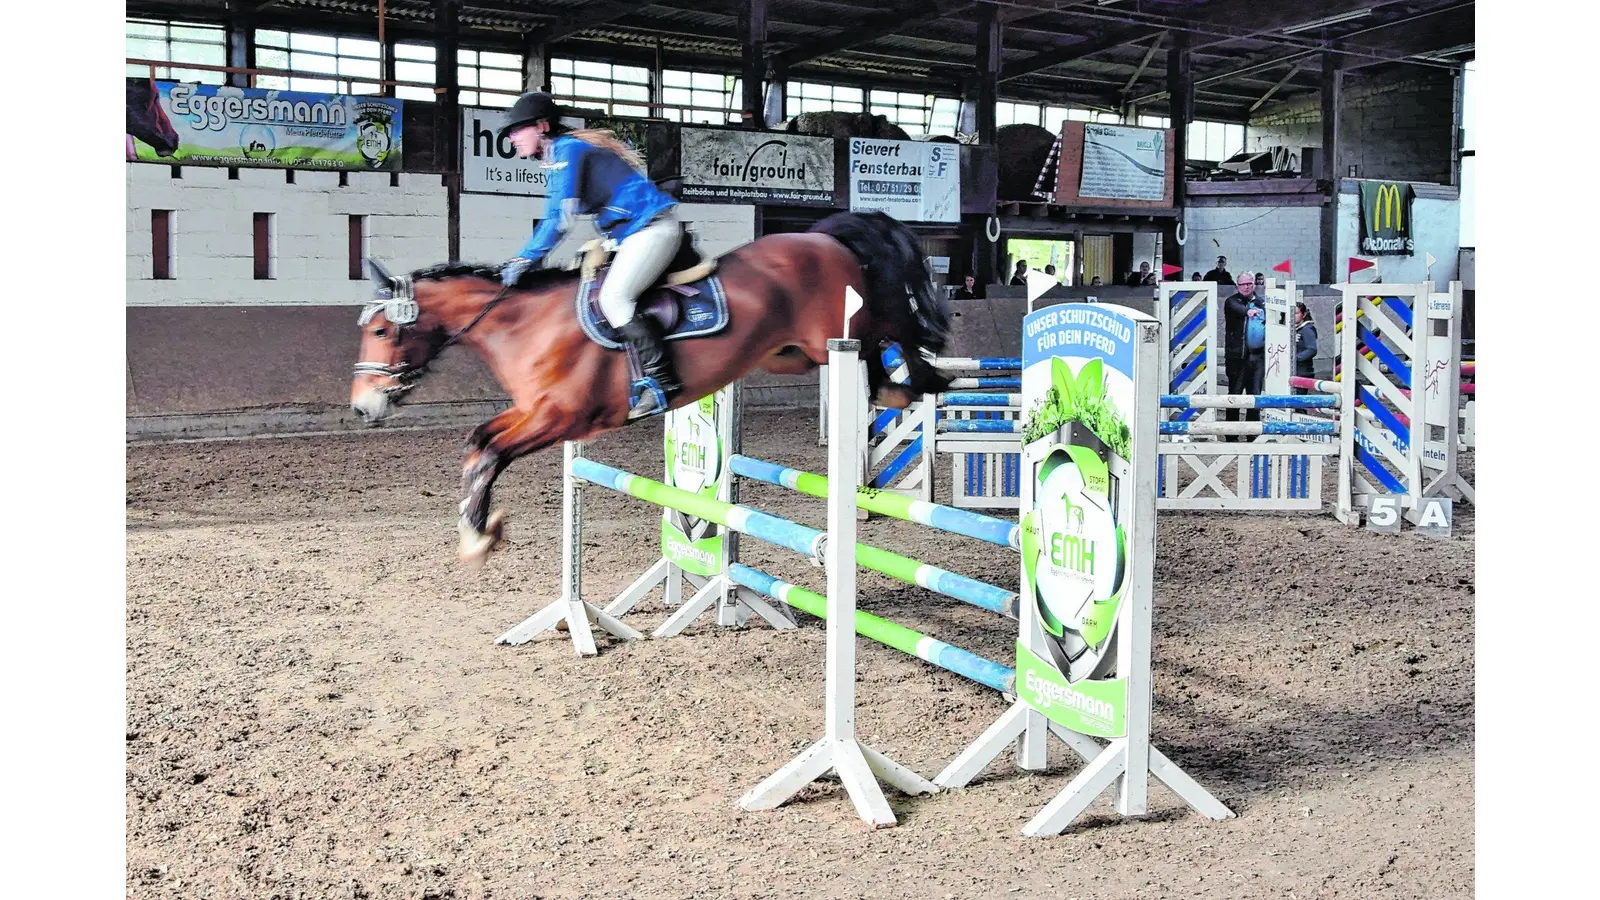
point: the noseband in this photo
(399, 307)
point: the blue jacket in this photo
(590, 180)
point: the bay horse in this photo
(785, 297)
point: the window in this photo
(488, 78)
(1107, 118)
(581, 82)
(179, 42)
(263, 246)
(1214, 141)
(414, 62)
(705, 97)
(918, 114)
(321, 62)
(1055, 115)
(358, 246)
(161, 244)
(811, 96)
(1017, 113)
(1157, 122)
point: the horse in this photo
(784, 298)
(147, 121)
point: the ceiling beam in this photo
(1081, 50)
(1287, 77)
(1143, 64)
(866, 30)
(591, 16)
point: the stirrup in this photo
(648, 400)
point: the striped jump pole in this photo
(1249, 401)
(1245, 429)
(944, 518)
(963, 398)
(990, 382)
(890, 634)
(980, 426)
(799, 538)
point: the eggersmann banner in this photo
(205, 124)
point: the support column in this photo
(1332, 102)
(241, 44)
(1180, 108)
(447, 133)
(753, 29)
(535, 66)
(990, 41)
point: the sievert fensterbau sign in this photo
(756, 167)
(493, 166)
(1386, 219)
(910, 180)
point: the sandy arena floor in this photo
(316, 706)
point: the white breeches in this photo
(640, 260)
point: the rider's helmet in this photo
(531, 107)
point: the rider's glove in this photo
(512, 271)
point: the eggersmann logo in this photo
(1050, 695)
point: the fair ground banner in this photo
(756, 167)
(910, 180)
(1121, 163)
(206, 124)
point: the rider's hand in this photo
(512, 271)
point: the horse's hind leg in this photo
(883, 391)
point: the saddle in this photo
(687, 300)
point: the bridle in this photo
(398, 303)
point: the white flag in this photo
(1038, 283)
(852, 305)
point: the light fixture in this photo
(1331, 20)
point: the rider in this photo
(593, 173)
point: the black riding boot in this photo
(644, 333)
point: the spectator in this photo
(1096, 282)
(1197, 277)
(1242, 364)
(1051, 271)
(1305, 341)
(1142, 277)
(1019, 278)
(969, 289)
(1220, 274)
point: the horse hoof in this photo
(895, 397)
(496, 529)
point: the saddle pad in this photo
(684, 311)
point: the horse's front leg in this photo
(880, 388)
(480, 533)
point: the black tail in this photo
(891, 256)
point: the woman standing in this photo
(1305, 341)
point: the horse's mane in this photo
(533, 279)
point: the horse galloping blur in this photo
(784, 297)
(147, 121)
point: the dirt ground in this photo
(317, 708)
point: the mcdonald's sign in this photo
(1386, 219)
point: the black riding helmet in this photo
(529, 108)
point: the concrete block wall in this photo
(1254, 238)
(212, 233)
(1390, 130)
(495, 226)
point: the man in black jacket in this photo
(1220, 275)
(1244, 366)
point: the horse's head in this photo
(399, 337)
(147, 121)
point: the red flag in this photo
(1287, 267)
(1357, 264)
(1170, 269)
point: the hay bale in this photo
(1022, 151)
(846, 125)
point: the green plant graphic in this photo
(1081, 399)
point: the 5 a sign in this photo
(1386, 219)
